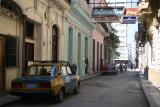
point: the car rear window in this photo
(42, 70)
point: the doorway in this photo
(54, 43)
(2, 72)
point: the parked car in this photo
(109, 69)
(47, 78)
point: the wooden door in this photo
(1, 63)
(54, 43)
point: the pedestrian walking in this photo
(125, 67)
(131, 66)
(121, 67)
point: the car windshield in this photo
(42, 70)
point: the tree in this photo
(114, 39)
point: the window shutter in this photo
(11, 50)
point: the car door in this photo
(73, 78)
(66, 78)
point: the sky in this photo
(132, 28)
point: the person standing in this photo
(121, 67)
(131, 66)
(125, 67)
(86, 65)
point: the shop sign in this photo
(113, 19)
(107, 11)
(132, 11)
(128, 19)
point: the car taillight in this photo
(17, 85)
(44, 85)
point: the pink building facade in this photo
(98, 34)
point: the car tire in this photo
(77, 89)
(60, 96)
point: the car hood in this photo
(34, 79)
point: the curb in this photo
(145, 84)
(89, 76)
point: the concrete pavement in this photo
(7, 99)
(152, 93)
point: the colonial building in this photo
(99, 33)
(83, 38)
(11, 36)
(149, 36)
(29, 30)
(47, 30)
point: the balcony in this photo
(154, 4)
(145, 11)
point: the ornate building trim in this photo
(11, 10)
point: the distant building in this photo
(123, 48)
(122, 33)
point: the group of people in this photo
(123, 66)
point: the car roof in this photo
(48, 63)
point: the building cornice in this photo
(84, 15)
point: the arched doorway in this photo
(55, 43)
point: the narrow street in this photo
(121, 90)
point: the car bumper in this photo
(28, 93)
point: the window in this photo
(69, 71)
(54, 71)
(29, 29)
(121, 31)
(11, 50)
(63, 70)
(29, 51)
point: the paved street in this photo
(122, 90)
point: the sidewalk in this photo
(89, 76)
(152, 93)
(8, 99)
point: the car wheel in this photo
(77, 89)
(60, 96)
